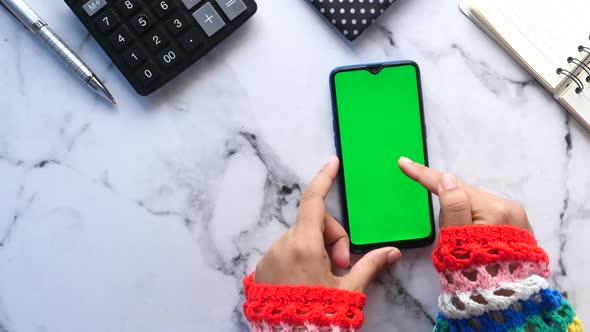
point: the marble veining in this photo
(146, 217)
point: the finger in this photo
(336, 237)
(455, 204)
(480, 200)
(427, 177)
(323, 181)
(312, 209)
(367, 268)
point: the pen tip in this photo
(97, 86)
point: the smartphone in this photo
(379, 117)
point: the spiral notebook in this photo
(549, 38)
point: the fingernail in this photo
(393, 256)
(332, 159)
(449, 182)
(405, 161)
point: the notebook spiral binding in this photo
(579, 65)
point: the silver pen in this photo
(27, 16)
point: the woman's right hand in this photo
(462, 204)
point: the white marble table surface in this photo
(145, 217)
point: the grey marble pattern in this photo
(145, 217)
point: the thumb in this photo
(455, 205)
(367, 268)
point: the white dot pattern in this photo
(351, 17)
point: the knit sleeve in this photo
(278, 308)
(494, 278)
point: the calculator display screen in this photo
(379, 118)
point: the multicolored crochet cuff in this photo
(487, 268)
(494, 279)
(314, 308)
(547, 311)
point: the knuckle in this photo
(375, 263)
(503, 211)
(299, 248)
(520, 212)
(510, 211)
(301, 251)
(457, 206)
(420, 178)
(519, 216)
(273, 250)
(308, 195)
(344, 238)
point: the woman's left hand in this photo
(301, 256)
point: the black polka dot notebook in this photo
(351, 17)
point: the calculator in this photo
(153, 41)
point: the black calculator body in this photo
(153, 41)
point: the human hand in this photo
(301, 256)
(462, 204)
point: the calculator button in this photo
(107, 21)
(232, 8)
(142, 22)
(190, 4)
(156, 39)
(209, 19)
(169, 57)
(163, 7)
(127, 7)
(147, 74)
(94, 6)
(134, 56)
(177, 23)
(120, 38)
(191, 40)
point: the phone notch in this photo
(374, 69)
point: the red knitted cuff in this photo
(463, 247)
(294, 306)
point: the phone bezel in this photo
(375, 68)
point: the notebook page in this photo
(578, 17)
(505, 32)
(577, 104)
(540, 34)
(546, 26)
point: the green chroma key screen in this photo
(379, 118)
